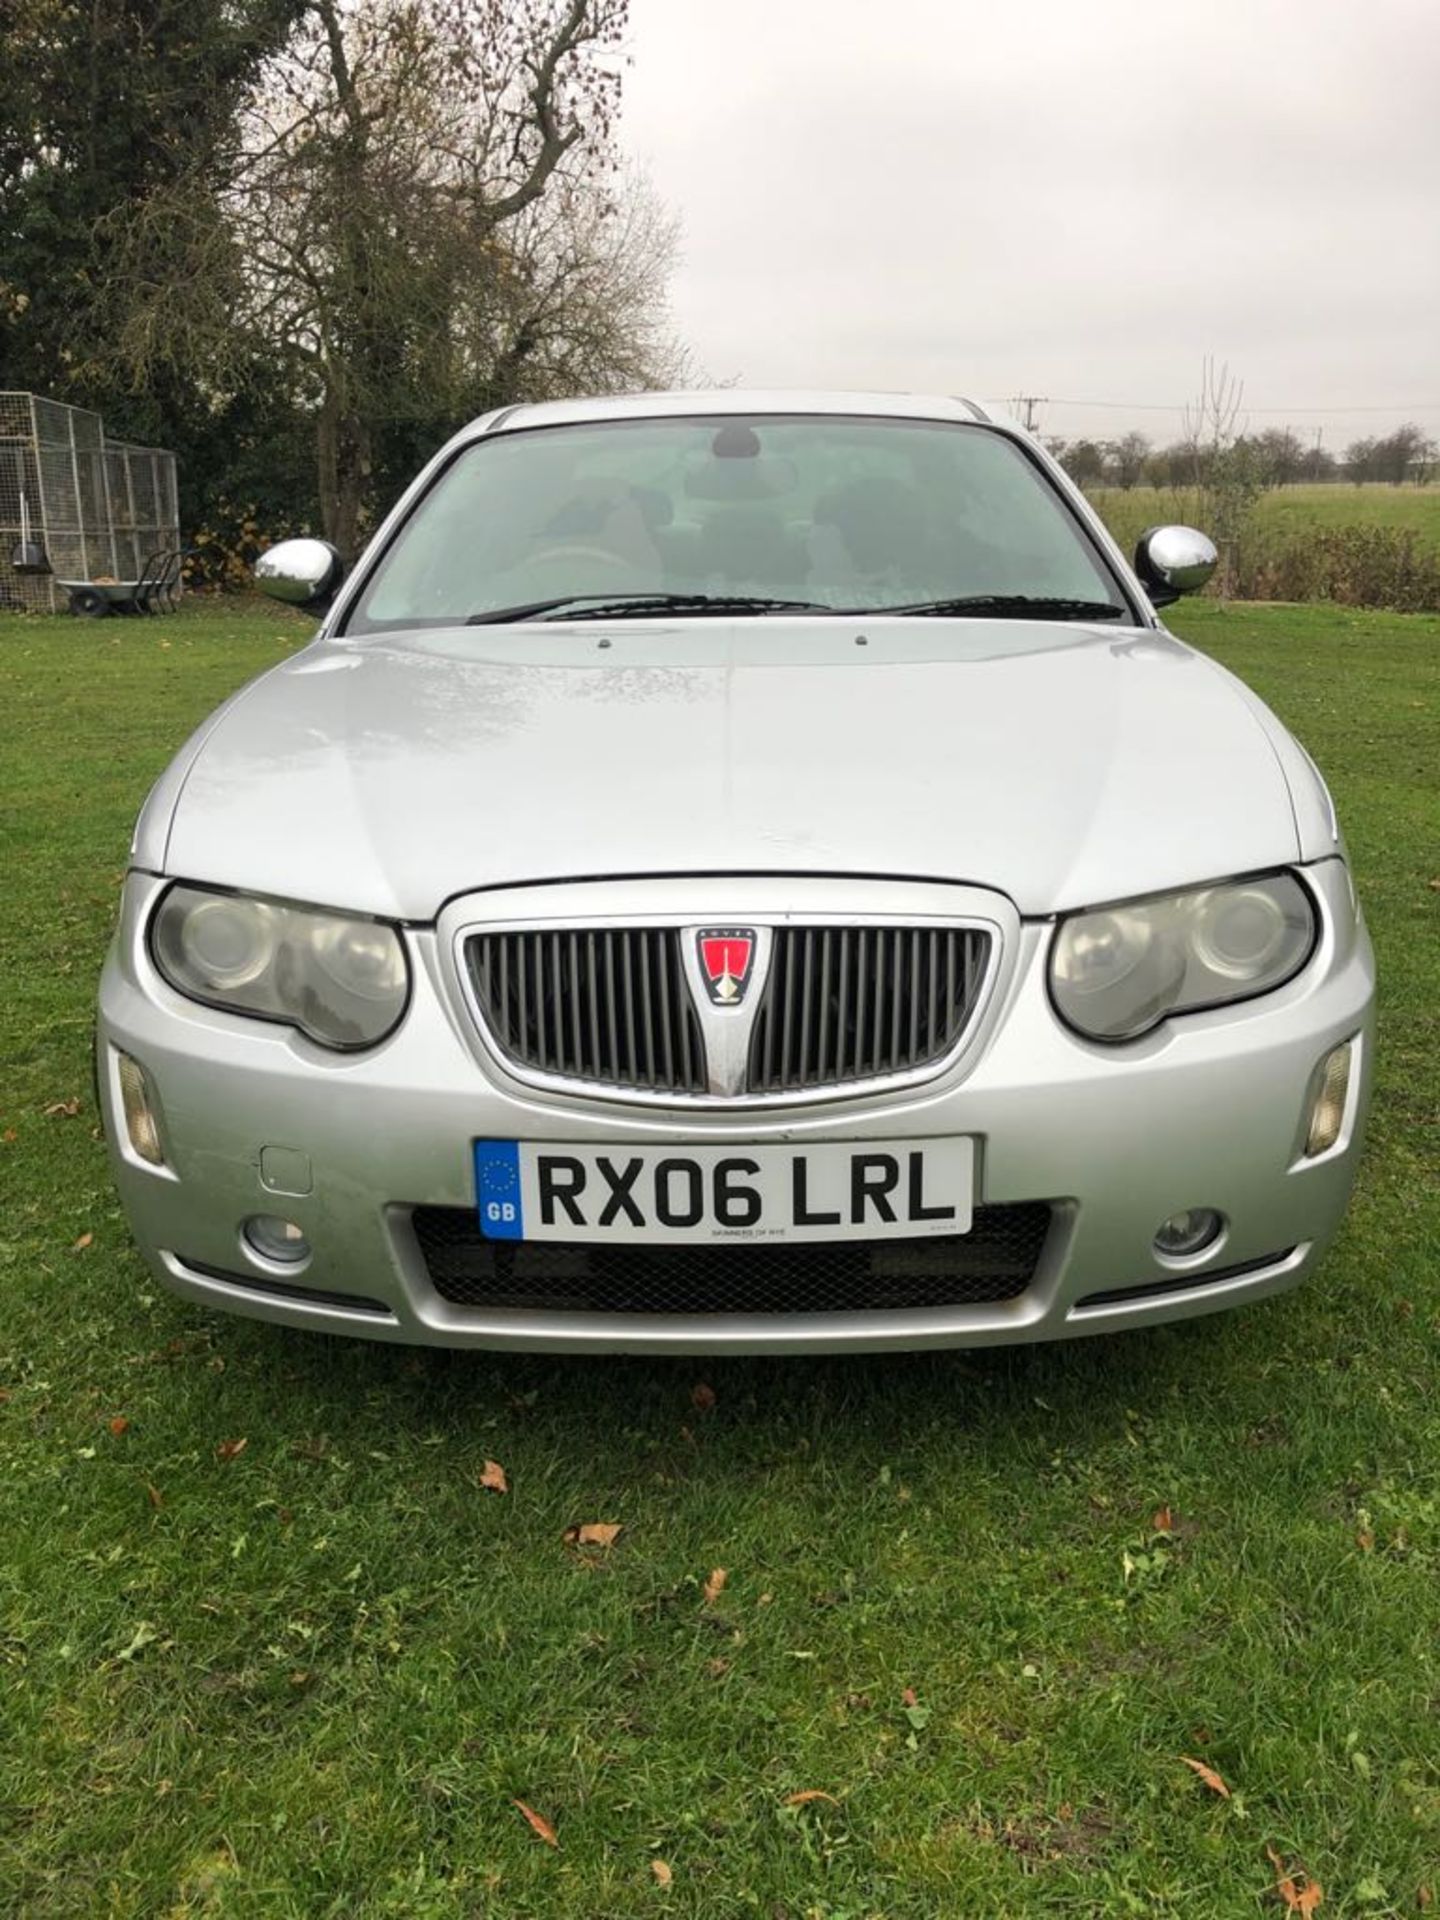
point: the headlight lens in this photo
(1119, 972)
(342, 981)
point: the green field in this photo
(987, 1603)
(1283, 514)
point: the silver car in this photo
(737, 872)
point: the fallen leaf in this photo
(715, 1585)
(10, 1136)
(538, 1823)
(228, 1449)
(119, 1424)
(1302, 1900)
(806, 1795)
(63, 1109)
(154, 1496)
(702, 1397)
(1424, 1898)
(1207, 1774)
(85, 1240)
(661, 1872)
(144, 1634)
(1365, 1540)
(717, 1668)
(595, 1533)
(493, 1478)
(1162, 1521)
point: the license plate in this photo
(838, 1190)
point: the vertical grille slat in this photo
(647, 1018)
(880, 1003)
(842, 1005)
(610, 1061)
(862, 1001)
(575, 997)
(912, 1053)
(628, 1076)
(805, 1067)
(842, 1011)
(541, 996)
(821, 1045)
(931, 979)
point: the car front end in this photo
(737, 985)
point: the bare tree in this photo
(1229, 473)
(425, 217)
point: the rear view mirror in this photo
(300, 572)
(1174, 560)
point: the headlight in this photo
(342, 981)
(1119, 972)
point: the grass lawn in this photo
(985, 1603)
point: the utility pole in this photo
(1029, 401)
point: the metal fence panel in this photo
(98, 507)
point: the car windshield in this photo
(820, 511)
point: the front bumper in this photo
(1209, 1111)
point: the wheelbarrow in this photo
(156, 591)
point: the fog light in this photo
(1188, 1233)
(280, 1241)
(1327, 1114)
(139, 1107)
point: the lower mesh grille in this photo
(995, 1261)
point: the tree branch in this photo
(554, 144)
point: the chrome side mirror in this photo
(1174, 560)
(299, 571)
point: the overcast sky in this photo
(1072, 198)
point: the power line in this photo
(1157, 406)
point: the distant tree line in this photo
(300, 241)
(1277, 457)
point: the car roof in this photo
(730, 400)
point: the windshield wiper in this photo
(1005, 606)
(597, 606)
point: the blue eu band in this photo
(497, 1189)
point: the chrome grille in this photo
(605, 1004)
(838, 1007)
(862, 1003)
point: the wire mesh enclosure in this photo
(96, 508)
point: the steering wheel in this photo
(602, 557)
